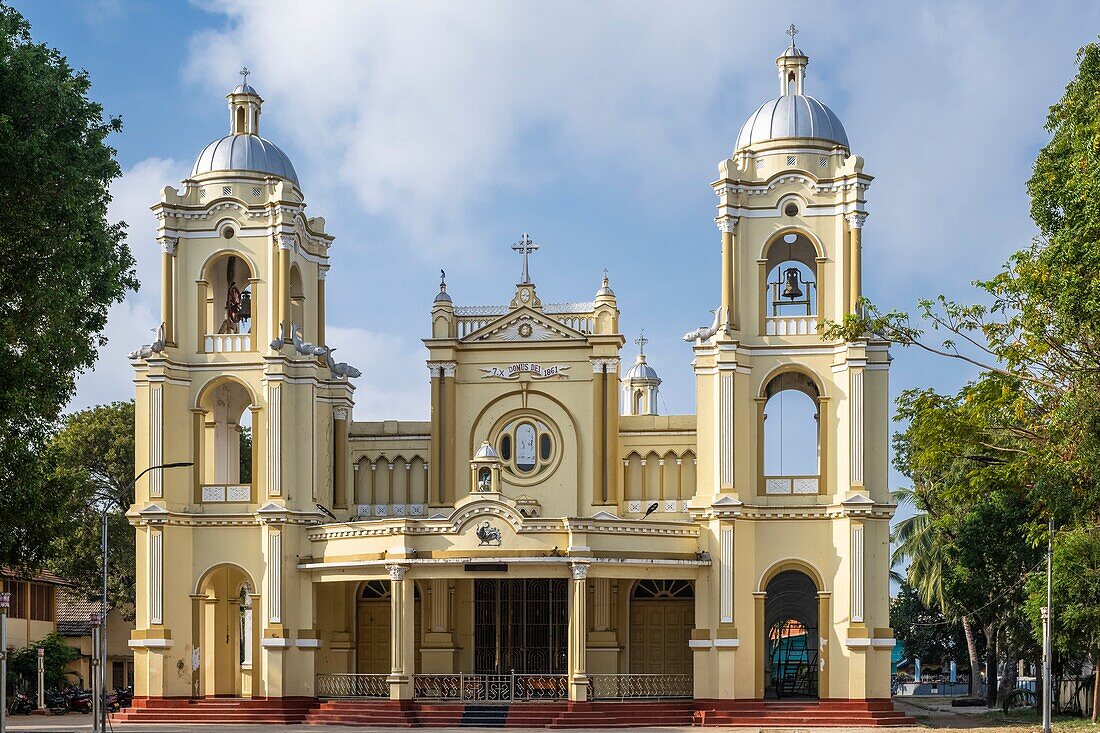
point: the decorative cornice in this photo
(726, 224)
(441, 369)
(855, 221)
(397, 572)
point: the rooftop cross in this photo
(244, 72)
(792, 32)
(525, 247)
(641, 341)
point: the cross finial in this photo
(244, 72)
(641, 341)
(792, 32)
(525, 247)
(442, 280)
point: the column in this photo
(611, 445)
(759, 633)
(435, 471)
(728, 315)
(578, 632)
(286, 242)
(447, 456)
(824, 633)
(322, 273)
(855, 225)
(401, 629)
(168, 287)
(156, 576)
(340, 457)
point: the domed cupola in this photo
(243, 149)
(640, 384)
(793, 114)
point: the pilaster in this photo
(578, 626)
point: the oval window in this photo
(544, 446)
(525, 447)
(506, 447)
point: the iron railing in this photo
(353, 685)
(490, 687)
(635, 686)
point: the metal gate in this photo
(793, 657)
(520, 626)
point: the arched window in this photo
(791, 288)
(240, 126)
(228, 284)
(226, 438)
(656, 589)
(297, 300)
(792, 433)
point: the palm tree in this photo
(915, 541)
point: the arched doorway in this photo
(226, 638)
(373, 627)
(791, 637)
(662, 615)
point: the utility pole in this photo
(1046, 628)
(95, 674)
(5, 602)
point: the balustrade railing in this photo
(490, 687)
(786, 485)
(353, 685)
(639, 686)
(790, 325)
(219, 342)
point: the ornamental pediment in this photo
(524, 325)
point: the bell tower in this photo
(242, 390)
(791, 424)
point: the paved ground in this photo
(930, 712)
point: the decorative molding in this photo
(168, 244)
(156, 575)
(726, 429)
(601, 606)
(610, 366)
(156, 440)
(857, 643)
(397, 572)
(322, 272)
(275, 403)
(441, 369)
(700, 643)
(579, 570)
(857, 573)
(856, 219)
(726, 576)
(287, 241)
(275, 576)
(726, 224)
(727, 643)
(341, 413)
(856, 406)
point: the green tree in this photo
(92, 462)
(23, 663)
(65, 265)
(925, 632)
(1076, 601)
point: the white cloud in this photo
(394, 385)
(132, 322)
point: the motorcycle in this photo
(125, 696)
(20, 704)
(56, 702)
(80, 701)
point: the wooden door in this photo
(659, 635)
(374, 637)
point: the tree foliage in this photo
(92, 462)
(65, 264)
(23, 663)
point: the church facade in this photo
(546, 534)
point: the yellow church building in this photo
(545, 548)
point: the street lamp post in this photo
(1047, 643)
(94, 672)
(5, 602)
(101, 688)
(41, 679)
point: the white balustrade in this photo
(217, 343)
(787, 485)
(790, 325)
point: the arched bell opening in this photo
(298, 301)
(228, 313)
(225, 441)
(662, 616)
(793, 435)
(791, 636)
(226, 638)
(791, 297)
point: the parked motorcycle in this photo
(80, 701)
(56, 702)
(20, 704)
(125, 696)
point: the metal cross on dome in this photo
(641, 341)
(792, 32)
(244, 72)
(525, 247)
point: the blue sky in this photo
(432, 135)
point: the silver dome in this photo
(641, 370)
(245, 89)
(244, 153)
(485, 451)
(791, 116)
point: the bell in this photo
(246, 305)
(790, 284)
